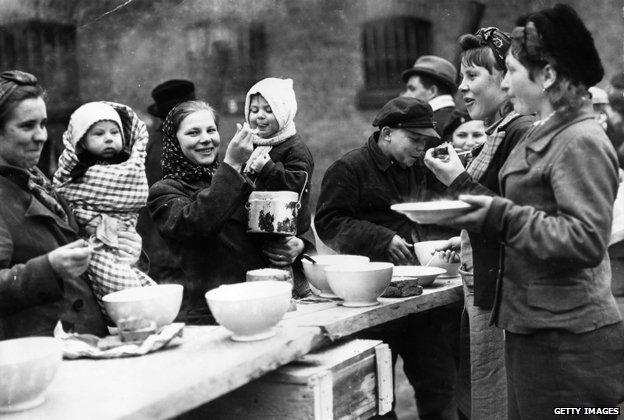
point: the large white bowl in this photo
(159, 303)
(424, 252)
(432, 212)
(250, 310)
(315, 273)
(359, 284)
(27, 367)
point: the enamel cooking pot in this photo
(273, 212)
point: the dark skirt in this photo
(556, 368)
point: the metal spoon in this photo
(309, 258)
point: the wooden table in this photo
(338, 321)
(208, 364)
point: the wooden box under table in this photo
(350, 380)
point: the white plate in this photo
(424, 274)
(431, 212)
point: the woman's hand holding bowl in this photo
(240, 147)
(71, 260)
(472, 220)
(283, 252)
(447, 169)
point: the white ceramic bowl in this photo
(424, 250)
(250, 310)
(27, 367)
(359, 284)
(432, 212)
(159, 303)
(315, 273)
(425, 275)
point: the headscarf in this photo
(498, 41)
(88, 115)
(280, 96)
(177, 166)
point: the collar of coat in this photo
(442, 101)
(542, 135)
(382, 161)
(17, 175)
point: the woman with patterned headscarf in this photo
(199, 207)
(482, 381)
(564, 336)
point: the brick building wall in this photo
(122, 55)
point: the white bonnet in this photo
(280, 96)
(88, 114)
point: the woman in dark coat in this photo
(42, 259)
(199, 207)
(564, 337)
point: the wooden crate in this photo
(350, 380)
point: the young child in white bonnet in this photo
(101, 175)
(280, 161)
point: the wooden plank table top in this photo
(208, 364)
(167, 383)
(338, 321)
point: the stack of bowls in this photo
(315, 272)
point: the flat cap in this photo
(435, 67)
(410, 114)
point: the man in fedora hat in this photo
(353, 216)
(160, 263)
(433, 79)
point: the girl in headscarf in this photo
(101, 175)
(280, 161)
(564, 337)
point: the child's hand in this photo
(259, 162)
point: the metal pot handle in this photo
(303, 189)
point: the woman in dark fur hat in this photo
(564, 337)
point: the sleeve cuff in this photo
(49, 283)
(494, 224)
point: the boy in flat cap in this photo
(433, 79)
(353, 216)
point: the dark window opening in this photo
(227, 59)
(390, 46)
(47, 50)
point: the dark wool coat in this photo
(205, 226)
(559, 185)
(485, 252)
(32, 296)
(353, 214)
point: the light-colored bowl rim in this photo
(304, 261)
(107, 298)
(427, 267)
(422, 206)
(47, 350)
(344, 268)
(258, 283)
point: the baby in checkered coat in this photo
(101, 174)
